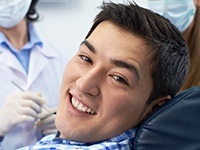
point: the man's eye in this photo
(85, 58)
(120, 79)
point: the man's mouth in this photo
(81, 107)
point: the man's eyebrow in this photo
(118, 63)
(126, 65)
(89, 46)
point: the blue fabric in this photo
(174, 126)
(121, 142)
(24, 54)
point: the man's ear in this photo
(159, 102)
(155, 104)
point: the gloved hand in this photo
(19, 107)
(46, 121)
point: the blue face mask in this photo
(12, 12)
(179, 12)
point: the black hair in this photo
(170, 60)
(32, 14)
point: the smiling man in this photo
(131, 62)
(104, 93)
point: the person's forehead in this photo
(118, 44)
(119, 38)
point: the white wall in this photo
(67, 23)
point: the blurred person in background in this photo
(185, 15)
(30, 75)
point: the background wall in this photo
(66, 22)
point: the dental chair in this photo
(174, 126)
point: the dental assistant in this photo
(29, 61)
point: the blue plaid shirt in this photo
(50, 142)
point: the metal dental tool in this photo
(24, 91)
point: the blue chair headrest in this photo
(174, 126)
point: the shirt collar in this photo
(34, 39)
(128, 135)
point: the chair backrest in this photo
(174, 126)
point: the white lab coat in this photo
(46, 68)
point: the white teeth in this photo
(89, 110)
(81, 107)
(84, 109)
(76, 104)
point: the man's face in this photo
(105, 86)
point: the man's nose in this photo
(90, 81)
